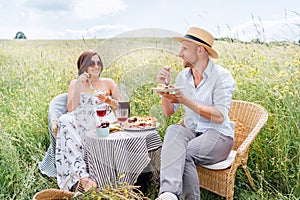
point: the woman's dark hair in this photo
(84, 60)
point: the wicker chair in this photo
(249, 118)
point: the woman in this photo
(81, 118)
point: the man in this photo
(206, 134)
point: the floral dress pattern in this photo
(69, 154)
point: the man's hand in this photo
(181, 98)
(163, 76)
(177, 97)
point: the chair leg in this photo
(249, 176)
(230, 183)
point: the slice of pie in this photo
(140, 122)
(163, 86)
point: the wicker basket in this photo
(56, 194)
(51, 194)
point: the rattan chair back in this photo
(249, 118)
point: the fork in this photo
(167, 79)
(91, 85)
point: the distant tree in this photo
(20, 35)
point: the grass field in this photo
(33, 72)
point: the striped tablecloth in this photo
(122, 156)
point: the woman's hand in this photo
(106, 99)
(103, 98)
(84, 78)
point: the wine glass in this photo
(101, 110)
(122, 115)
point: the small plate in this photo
(114, 128)
(168, 89)
(143, 128)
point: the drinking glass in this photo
(101, 110)
(122, 116)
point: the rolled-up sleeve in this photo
(223, 91)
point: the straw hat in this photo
(200, 37)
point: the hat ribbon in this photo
(197, 39)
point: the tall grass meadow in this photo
(33, 72)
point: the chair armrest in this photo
(245, 146)
(57, 108)
(54, 127)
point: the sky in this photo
(76, 19)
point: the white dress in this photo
(69, 153)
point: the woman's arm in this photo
(113, 92)
(75, 88)
(73, 95)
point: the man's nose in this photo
(180, 54)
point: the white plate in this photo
(168, 89)
(143, 128)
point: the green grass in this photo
(33, 72)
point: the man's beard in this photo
(186, 64)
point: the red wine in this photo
(122, 119)
(125, 104)
(101, 113)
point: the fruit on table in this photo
(103, 125)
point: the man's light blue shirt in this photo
(216, 90)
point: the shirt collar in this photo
(208, 69)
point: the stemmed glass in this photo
(122, 115)
(101, 110)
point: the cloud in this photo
(276, 30)
(53, 5)
(36, 10)
(95, 32)
(90, 9)
(82, 9)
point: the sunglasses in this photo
(93, 63)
